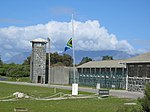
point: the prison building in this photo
(138, 72)
(38, 61)
(109, 73)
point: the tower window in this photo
(39, 44)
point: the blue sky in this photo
(127, 19)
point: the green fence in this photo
(71, 77)
(106, 79)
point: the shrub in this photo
(145, 101)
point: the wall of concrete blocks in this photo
(61, 75)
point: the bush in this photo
(15, 70)
(145, 101)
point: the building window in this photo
(140, 65)
(92, 70)
(79, 70)
(131, 65)
(97, 70)
(39, 44)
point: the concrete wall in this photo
(60, 75)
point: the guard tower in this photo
(38, 61)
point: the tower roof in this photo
(39, 40)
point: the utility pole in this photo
(49, 59)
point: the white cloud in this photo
(89, 35)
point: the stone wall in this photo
(138, 75)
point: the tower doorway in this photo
(39, 79)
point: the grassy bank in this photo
(110, 104)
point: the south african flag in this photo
(68, 45)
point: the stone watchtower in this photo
(38, 61)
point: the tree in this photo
(16, 70)
(57, 59)
(107, 57)
(3, 69)
(145, 101)
(67, 60)
(85, 60)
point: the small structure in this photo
(38, 61)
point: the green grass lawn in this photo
(110, 104)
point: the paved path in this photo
(117, 93)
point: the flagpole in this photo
(74, 84)
(74, 72)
